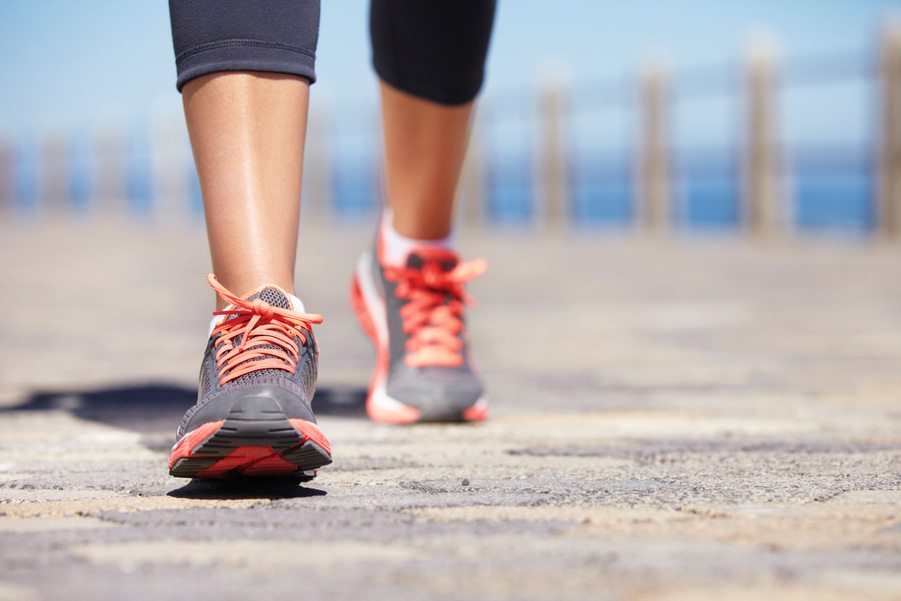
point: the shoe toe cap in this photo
(261, 400)
(439, 393)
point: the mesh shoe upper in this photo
(424, 304)
(289, 375)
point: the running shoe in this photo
(414, 314)
(258, 376)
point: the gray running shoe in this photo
(258, 376)
(414, 315)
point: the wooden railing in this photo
(148, 171)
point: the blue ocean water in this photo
(600, 192)
(707, 189)
(25, 176)
(80, 173)
(844, 200)
(710, 201)
(840, 198)
(510, 197)
(355, 188)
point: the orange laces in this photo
(266, 333)
(431, 323)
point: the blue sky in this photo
(69, 65)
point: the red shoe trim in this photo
(250, 461)
(475, 414)
(312, 432)
(359, 306)
(192, 439)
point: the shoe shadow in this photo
(246, 488)
(155, 409)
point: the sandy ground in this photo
(677, 419)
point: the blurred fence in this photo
(742, 146)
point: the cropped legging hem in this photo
(455, 94)
(432, 49)
(244, 55)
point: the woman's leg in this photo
(430, 57)
(425, 144)
(244, 69)
(247, 131)
(408, 291)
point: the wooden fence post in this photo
(553, 168)
(890, 128)
(53, 181)
(653, 189)
(109, 173)
(763, 211)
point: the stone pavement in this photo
(679, 419)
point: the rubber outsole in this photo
(251, 443)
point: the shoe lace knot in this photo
(432, 317)
(255, 335)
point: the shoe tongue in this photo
(273, 296)
(443, 258)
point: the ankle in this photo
(396, 246)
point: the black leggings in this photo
(432, 49)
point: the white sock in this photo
(395, 247)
